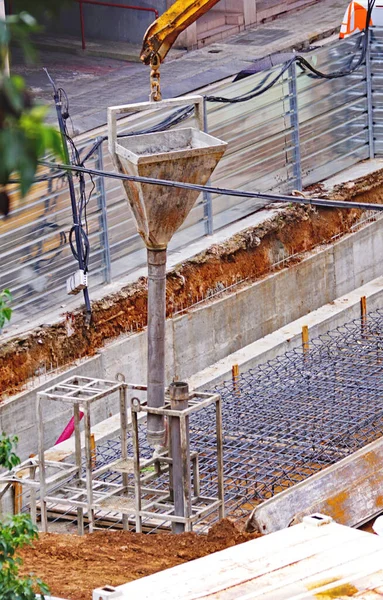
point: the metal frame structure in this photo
(183, 505)
(123, 485)
(70, 486)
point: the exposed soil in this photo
(74, 565)
(249, 255)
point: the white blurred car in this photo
(356, 16)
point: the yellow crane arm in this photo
(162, 34)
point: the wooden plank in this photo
(351, 492)
(264, 565)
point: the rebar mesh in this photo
(291, 417)
(282, 421)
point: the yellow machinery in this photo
(162, 34)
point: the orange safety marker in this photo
(93, 450)
(363, 312)
(305, 339)
(235, 376)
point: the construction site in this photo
(194, 364)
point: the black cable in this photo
(252, 94)
(304, 63)
(343, 73)
(222, 191)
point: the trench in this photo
(247, 256)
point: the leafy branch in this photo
(24, 137)
(16, 532)
(5, 309)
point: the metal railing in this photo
(110, 5)
(301, 131)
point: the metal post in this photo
(42, 472)
(221, 488)
(77, 452)
(207, 206)
(33, 496)
(156, 344)
(103, 219)
(124, 445)
(137, 468)
(294, 116)
(82, 25)
(370, 108)
(179, 434)
(88, 465)
(72, 193)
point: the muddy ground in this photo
(74, 565)
(249, 255)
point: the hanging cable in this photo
(257, 91)
(221, 191)
(78, 238)
(304, 64)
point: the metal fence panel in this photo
(376, 55)
(302, 130)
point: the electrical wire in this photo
(221, 191)
(255, 92)
(304, 64)
(343, 73)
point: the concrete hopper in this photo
(187, 155)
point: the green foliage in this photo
(8, 458)
(24, 137)
(5, 309)
(15, 533)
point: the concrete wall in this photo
(108, 23)
(206, 335)
(287, 338)
(115, 24)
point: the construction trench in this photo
(277, 243)
(282, 422)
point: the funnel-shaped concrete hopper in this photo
(186, 155)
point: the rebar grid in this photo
(282, 421)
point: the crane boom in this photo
(162, 34)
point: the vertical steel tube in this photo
(103, 219)
(208, 205)
(181, 478)
(369, 93)
(88, 466)
(82, 25)
(77, 447)
(294, 116)
(42, 471)
(156, 343)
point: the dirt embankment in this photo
(248, 255)
(73, 566)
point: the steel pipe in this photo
(156, 343)
(180, 454)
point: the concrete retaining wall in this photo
(208, 334)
